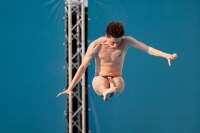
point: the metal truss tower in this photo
(75, 50)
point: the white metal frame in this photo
(75, 38)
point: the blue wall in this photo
(157, 98)
(31, 66)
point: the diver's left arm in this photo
(156, 52)
(152, 51)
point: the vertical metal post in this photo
(78, 44)
(70, 63)
(76, 51)
(83, 77)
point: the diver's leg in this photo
(117, 82)
(102, 87)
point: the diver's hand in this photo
(69, 92)
(171, 57)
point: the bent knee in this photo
(120, 84)
(98, 83)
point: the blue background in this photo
(31, 66)
(157, 98)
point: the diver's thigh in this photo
(97, 82)
(120, 84)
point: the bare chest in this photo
(107, 54)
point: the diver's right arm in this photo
(92, 49)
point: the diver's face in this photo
(114, 42)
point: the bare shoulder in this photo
(129, 40)
(95, 46)
(100, 40)
(135, 43)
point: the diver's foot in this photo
(111, 82)
(108, 92)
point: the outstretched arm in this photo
(156, 52)
(152, 51)
(86, 60)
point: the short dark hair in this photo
(115, 29)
